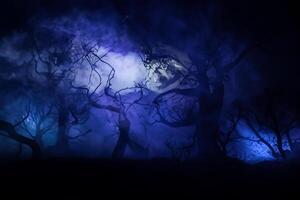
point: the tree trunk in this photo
(210, 105)
(62, 138)
(208, 132)
(123, 140)
(11, 133)
(280, 145)
(39, 139)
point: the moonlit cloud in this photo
(129, 69)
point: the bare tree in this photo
(121, 107)
(207, 91)
(8, 130)
(39, 123)
(273, 116)
(55, 64)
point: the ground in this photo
(95, 178)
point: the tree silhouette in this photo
(207, 91)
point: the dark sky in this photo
(270, 22)
(274, 24)
(254, 16)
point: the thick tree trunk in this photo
(208, 131)
(208, 140)
(210, 108)
(123, 140)
(11, 133)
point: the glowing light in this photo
(251, 149)
(129, 69)
(125, 69)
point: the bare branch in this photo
(24, 118)
(106, 107)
